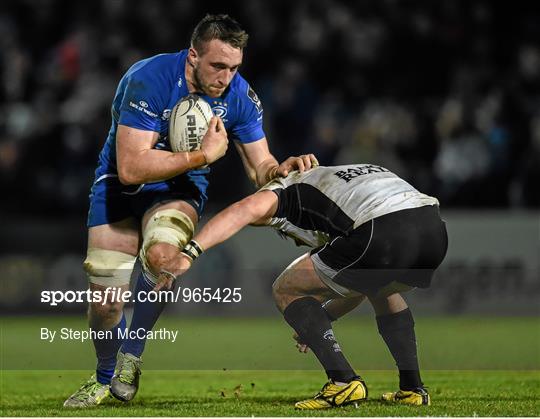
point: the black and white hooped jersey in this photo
(330, 201)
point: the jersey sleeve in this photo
(250, 118)
(144, 99)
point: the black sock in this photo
(397, 330)
(307, 317)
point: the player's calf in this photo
(106, 270)
(165, 234)
(104, 315)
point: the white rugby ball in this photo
(189, 122)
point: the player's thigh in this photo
(179, 205)
(299, 280)
(122, 236)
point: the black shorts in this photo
(404, 246)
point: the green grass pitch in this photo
(243, 367)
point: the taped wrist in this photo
(196, 159)
(204, 156)
(192, 250)
(168, 274)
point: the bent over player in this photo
(372, 235)
(146, 200)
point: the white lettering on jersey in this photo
(143, 109)
(361, 191)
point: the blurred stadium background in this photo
(446, 94)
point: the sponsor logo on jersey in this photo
(255, 99)
(142, 109)
(220, 111)
(351, 173)
(166, 114)
(143, 104)
(180, 82)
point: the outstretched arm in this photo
(256, 209)
(261, 166)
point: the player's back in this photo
(334, 200)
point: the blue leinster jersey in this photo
(144, 99)
(150, 89)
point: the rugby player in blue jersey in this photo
(146, 200)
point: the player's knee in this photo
(104, 316)
(282, 294)
(106, 269)
(159, 255)
(165, 234)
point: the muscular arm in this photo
(261, 166)
(256, 209)
(138, 163)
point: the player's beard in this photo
(201, 85)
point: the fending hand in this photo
(300, 163)
(166, 281)
(168, 274)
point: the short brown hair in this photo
(222, 27)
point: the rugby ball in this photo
(188, 123)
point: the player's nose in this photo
(225, 78)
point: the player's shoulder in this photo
(239, 86)
(166, 65)
(242, 90)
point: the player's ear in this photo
(193, 56)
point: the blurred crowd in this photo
(445, 93)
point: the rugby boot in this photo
(125, 382)
(332, 395)
(91, 393)
(417, 397)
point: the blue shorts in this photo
(110, 201)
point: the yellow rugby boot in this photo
(417, 397)
(332, 395)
